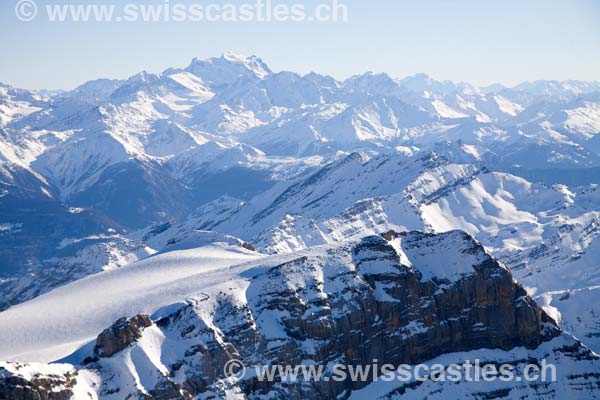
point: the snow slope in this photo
(210, 300)
(54, 325)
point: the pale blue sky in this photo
(478, 41)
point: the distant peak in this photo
(421, 75)
(143, 76)
(370, 76)
(235, 57)
(229, 56)
(251, 63)
(418, 77)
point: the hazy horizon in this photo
(338, 78)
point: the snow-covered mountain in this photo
(408, 298)
(544, 233)
(122, 173)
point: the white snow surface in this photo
(56, 324)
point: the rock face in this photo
(121, 334)
(56, 385)
(364, 303)
(403, 298)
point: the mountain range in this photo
(228, 181)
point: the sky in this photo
(476, 41)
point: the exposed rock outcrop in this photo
(121, 334)
(17, 382)
(403, 298)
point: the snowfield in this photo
(54, 325)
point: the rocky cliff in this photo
(400, 298)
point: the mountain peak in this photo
(371, 82)
(228, 68)
(421, 76)
(422, 82)
(234, 57)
